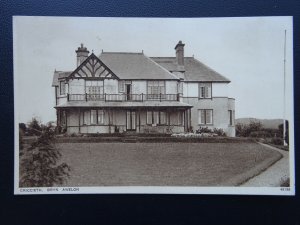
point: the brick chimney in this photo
(82, 54)
(180, 54)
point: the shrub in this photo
(260, 134)
(244, 130)
(38, 165)
(277, 141)
(219, 132)
(203, 130)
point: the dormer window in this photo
(204, 90)
(62, 88)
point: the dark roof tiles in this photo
(135, 66)
(194, 69)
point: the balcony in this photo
(123, 97)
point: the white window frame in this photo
(94, 87)
(93, 114)
(231, 117)
(155, 117)
(100, 116)
(205, 90)
(62, 88)
(205, 111)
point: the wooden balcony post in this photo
(160, 97)
(68, 98)
(86, 97)
(105, 97)
(142, 97)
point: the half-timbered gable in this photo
(92, 67)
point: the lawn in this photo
(164, 164)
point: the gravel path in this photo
(275, 175)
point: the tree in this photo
(38, 167)
(34, 127)
(244, 130)
(22, 127)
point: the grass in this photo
(163, 164)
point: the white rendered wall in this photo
(110, 86)
(219, 89)
(190, 90)
(171, 87)
(139, 87)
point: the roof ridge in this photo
(138, 53)
(157, 64)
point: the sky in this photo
(247, 50)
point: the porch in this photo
(118, 120)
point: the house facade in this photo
(122, 92)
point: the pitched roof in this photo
(194, 69)
(150, 104)
(59, 74)
(135, 66)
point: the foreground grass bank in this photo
(165, 164)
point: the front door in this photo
(130, 120)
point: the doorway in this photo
(130, 120)
(128, 92)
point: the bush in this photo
(260, 134)
(219, 132)
(203, 130)
(206, 130)
(38, 164)
(244, 130)
(277, 141)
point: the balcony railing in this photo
(123, 97)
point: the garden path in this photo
(275, 175)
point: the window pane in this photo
(86, 116)
(93, 116)
(121, 86)
(100, 116)
(180, 118)
(62, 88)
(156, 117)
(149, 117)
(208, 116)
(162, 118)
(201, 118)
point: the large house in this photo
(120, 91)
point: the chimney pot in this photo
(180, 54)
(82, 54)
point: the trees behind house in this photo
(256, 130)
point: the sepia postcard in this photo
(153, 105)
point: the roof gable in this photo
(93, 67)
